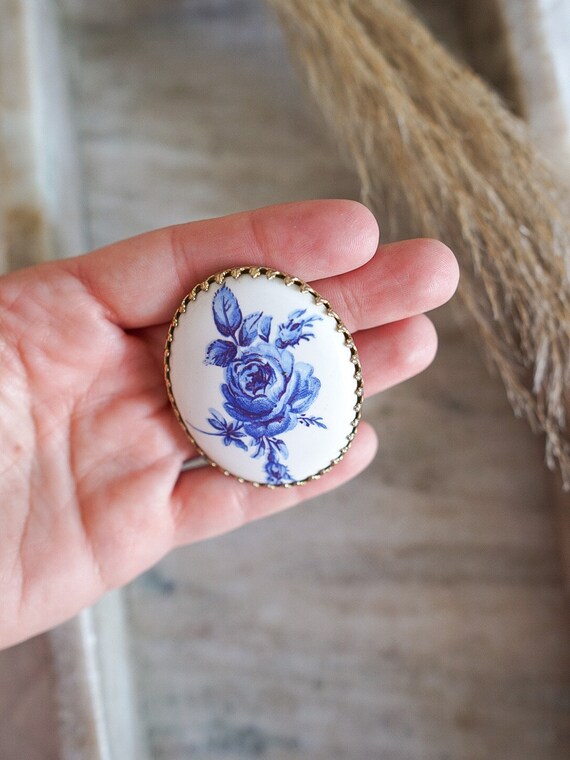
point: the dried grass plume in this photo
(439, 155)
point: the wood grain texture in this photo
(23, 234)
(28, 706)
(28, 719)
(40, 218)
(205, 102)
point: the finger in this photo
(206, 503)
(402, 280)
(395, 352)
(141, 281)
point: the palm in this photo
(91, 480)
(101, 453)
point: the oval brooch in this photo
(263, 377)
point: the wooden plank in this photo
(537, 35)
(40, 219)
(27, 688)
(23, 228)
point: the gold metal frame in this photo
(270, 274)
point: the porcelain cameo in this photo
(263, 376)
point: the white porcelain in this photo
(263, 376)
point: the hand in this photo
(91, 453)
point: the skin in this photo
(90, 488)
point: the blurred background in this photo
(418, 612)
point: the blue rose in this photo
(296, 329)
(276, 471)
(267, 391)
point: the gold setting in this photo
(260, 271)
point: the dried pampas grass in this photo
(439, 155)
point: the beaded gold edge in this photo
(270, 274)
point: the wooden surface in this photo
(417, 613)
(27, 704)
(81, 671)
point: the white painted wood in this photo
(538, 34)
(98, 717)
(23, 228)
(39, 203)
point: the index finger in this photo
(141, 281)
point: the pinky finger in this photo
(206, 503)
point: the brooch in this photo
(263, 377)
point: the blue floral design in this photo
(266, 393)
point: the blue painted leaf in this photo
(217, 421)
(221, 353)
(265, 328)
(296, 314)
(227, 314)
(250, 328)
(239, 444)
(235, 430)
(260, 443)
(308, 421)
(230, 408)
(281, 447)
